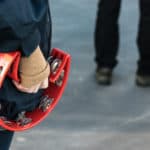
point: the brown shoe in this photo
(143, 80)
(104, 75)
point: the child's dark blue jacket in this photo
(24, 24)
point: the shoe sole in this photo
(103, 80)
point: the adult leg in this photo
(106, 33)
(144, 38)
(143, 42)
(5, 139)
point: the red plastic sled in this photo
(57, 83)
(9, 63)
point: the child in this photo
(25, 25)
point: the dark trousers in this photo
(5, 139)
(107, 35)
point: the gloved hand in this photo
(33, 73)
(33, 89)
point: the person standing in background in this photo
(107, 41)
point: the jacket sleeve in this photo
(19, 24)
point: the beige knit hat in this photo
(33, 69)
